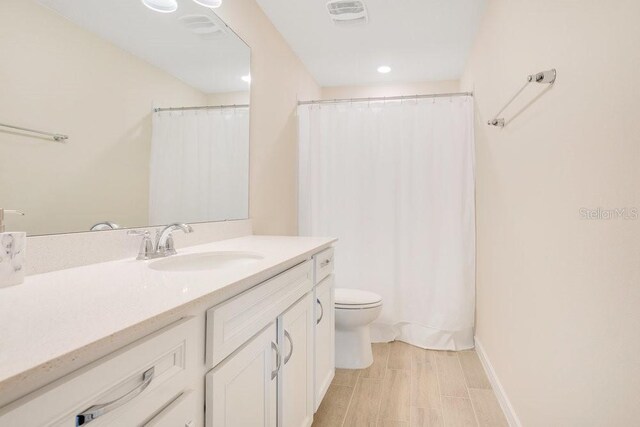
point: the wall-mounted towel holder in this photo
(548, 77)
(58, 137)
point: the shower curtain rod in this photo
(386, 98)
(206, 107)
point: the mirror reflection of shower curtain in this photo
(394, 181)
(199, 166)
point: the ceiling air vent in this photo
(347, 12)
(203, 26)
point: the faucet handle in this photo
(169, 247)
(146, 247)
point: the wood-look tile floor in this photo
(409, 386)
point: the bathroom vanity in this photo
(243, 338)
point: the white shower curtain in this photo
(199, 166)
(394, 181)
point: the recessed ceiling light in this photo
(209, 3)
(162, 6)
(384, 69)
(246, 78)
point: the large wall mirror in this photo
(155, 107)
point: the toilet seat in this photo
(355, 299)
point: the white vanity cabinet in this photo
(258, 340)
(324, 337)
(242, 390)
(235, 321)
(297, 365)
(285, 369)
(323, 265)
(324, 324)
(268, 381)
(147, 383)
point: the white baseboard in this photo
(501, 395)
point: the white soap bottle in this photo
(13, 246)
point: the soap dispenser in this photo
(12, 253)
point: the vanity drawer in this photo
(178, 413)
(133, 385)
(234, 322)
(323, 264)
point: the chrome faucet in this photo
(164, 245)
(164, 240)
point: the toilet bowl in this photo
(355, 311)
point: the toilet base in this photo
(353, 348)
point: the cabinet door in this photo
(297, 369)
(324, 327)
(242, 390)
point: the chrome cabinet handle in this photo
(96, 411)
(274, 373)
(321, 311)
(287, 336)
(324, 263)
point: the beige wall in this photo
(400, 89)
(57, 77)
(558, 305)
(229, 98)
(279, 79)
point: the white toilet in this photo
(355, 311)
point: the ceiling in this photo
(209, 64)
(421, 40)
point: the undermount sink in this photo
(205, 261)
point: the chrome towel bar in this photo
(55, 136)
(548, 77)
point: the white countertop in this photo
(52, 319)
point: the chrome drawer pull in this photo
(324, 263)
(274, 373)
(321, 311)
(287, 336)
(96, 411)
